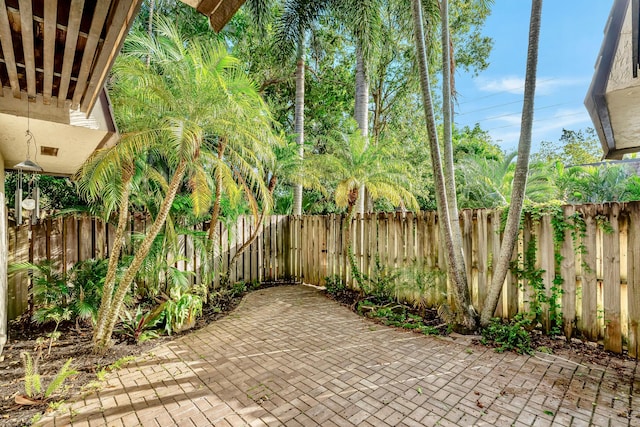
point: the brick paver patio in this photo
(289, 356)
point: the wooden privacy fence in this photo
(590, 267)
(67, 240)
(589, 262)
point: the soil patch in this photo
(74, 342)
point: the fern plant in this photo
(33, 380)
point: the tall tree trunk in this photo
(101, 342)
(361, 111)
(501, 264)
(152, 6)
(299, 120)
(447, 108)
(465, 314)
(215, 213)
(114, 256)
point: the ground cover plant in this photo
(71, 368)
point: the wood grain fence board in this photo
(611, 282)
(100, 249)
(408, 245)
(367, 261)
(111, 235)
(275, 246)
(70, 242)
(547, 263)
(18, 284)
(278, 255)
(56, 249)
(324, 250)
(267, 269)
(383, 239)
(633, 279)
(466, 218)
(589, 321)
(512, 285)
(568, 273)
(527, 234)
(85, 238)
(420, 239)
(484, 248)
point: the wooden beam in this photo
(50, 11)
(7, 48)
(26, 24)
(71, 40)
(99, 16)
(122, 20)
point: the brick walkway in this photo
(289, 356)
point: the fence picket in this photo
(611, 282)
(568, 273)
(633, 279)
(589, 321)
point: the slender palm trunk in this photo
(361, 111)
(215, 213)
(152, 6)
(501, 265)
(101, 342)
(299, 120)
(465, 313)
(449, 172)
(114, 256)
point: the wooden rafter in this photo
(99, 15)
(50, 11)
(124, 15)
(75, 17)
(7, 49)
(26, 26)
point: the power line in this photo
(536, 121)
(505, 91)
(519, 112)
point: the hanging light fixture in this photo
(31, 202)
(29, 165)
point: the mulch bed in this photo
(76, 343)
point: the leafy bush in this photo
(181, 310)
(334, 285)
(509, 336)
(140, 325)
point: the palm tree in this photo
(296, 20)
(191, 92)
(466, 316)
(352, 165)
(522, 168)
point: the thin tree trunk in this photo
(449, 171)
(102, 341)
(299, 120)
(215, 213)
(501, 264)
(361, 111)
(152, 6)
(465, 313)
(114, 256)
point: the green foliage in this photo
(140, 326)
(573, 148)
(33, 381)
(509, 336)
(181, 310)
(58, 296)
(334, 285)
(55, 193)
(395, 315)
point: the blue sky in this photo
(570, 39)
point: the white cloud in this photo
(515, 84)
(507, 131)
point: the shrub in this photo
(510, 336)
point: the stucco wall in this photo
(621, 76)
